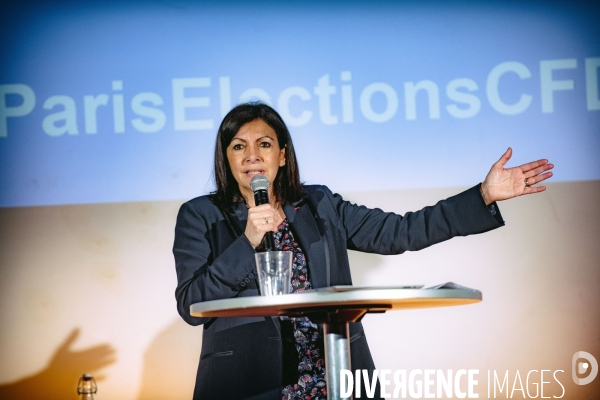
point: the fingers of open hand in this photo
(505, 157)
(536, 171)
(529, 168)
(537, 179)
(531, 190)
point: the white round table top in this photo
(372, 299)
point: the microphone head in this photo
(259, 182)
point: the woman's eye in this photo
(265, 144)
(237, 147)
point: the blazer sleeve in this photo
(375, 231)
(202, 276)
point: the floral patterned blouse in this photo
(304, 333)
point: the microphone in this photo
(260, 185)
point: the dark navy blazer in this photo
(241, 358)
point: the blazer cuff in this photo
(493, 208)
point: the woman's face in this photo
(255, 150)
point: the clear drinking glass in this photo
(274, 272)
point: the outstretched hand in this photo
(505, 183)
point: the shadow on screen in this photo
(59, 379)
(170, 363)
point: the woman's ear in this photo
(282, 156)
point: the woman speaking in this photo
(217, 235)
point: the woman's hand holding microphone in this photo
(261, 219)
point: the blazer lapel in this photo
(238, 218)
(309, 237)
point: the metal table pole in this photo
(337, 356)
(336, 330)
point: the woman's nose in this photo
(252, 154)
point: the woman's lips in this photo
(255, 172)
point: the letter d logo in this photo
(581, 367)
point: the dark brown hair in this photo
(286, 187)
